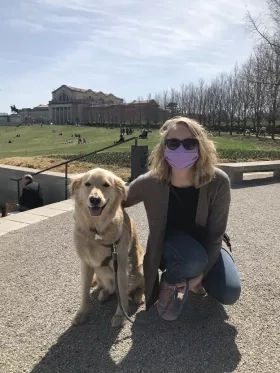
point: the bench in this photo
(235, 170)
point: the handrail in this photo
(69, 161)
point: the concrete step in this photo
(20, 220)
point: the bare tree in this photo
(231, 102)
(231, 97)
(257, 81)
(244, 97)
(272, 71)
(268, 30)
(201, 102)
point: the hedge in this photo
(233, 155)
(237, 155)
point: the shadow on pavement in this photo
(201, 341)
(255, 183)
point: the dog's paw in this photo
(80, 317)
(117, 321)
(96, 282)
(138, 299)
(103, 296)
(137, 296)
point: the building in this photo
(7, 118)
(68, 103)
(137, 112)
(4, 117)
(39, 114)
(76, 105)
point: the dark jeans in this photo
(23, 208)
(184, 258)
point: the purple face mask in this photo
(181, 158)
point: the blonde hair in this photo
(204, 168)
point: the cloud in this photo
(123, 44)
(34, 26)
(21, 23)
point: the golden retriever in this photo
(100, 221)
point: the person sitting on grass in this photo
(187, 200)
(121, 139)
(32, 196)
(144, 134)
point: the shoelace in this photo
(185, 296)
(157, 318)
(174, 293)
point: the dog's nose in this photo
(94, 200)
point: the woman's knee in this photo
(195, 266)
(181, 246)
(178, 270)
(183, 256)
(229, 296)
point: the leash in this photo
(158, 317)
(114, 258)
(174, 293)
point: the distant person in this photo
(32, 196)
(121, 139)
(144, 134)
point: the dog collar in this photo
(111, 246)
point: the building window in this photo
(63, 97)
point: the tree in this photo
(244, 97)
(259, 26)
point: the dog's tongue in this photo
(95, 211)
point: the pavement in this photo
(20, 220)
(40, 292)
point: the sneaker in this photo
(167, 304)
(182, 287)
(199, 290)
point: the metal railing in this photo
(70, 161)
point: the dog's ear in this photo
(121, 188)
(75, 182)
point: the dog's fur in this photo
(111, 225)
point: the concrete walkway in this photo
(17, 221)
(40, 292)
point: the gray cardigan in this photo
(211, 220)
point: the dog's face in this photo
(98, 190)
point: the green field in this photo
(40, 141)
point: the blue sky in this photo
(127, 47)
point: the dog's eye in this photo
(106, 185)
(87, 184)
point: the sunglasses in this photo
(188, 144)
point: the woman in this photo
(187, 202)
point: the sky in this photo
(130, 48)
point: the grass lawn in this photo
(40, 141)
(37, 145)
